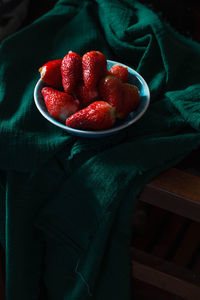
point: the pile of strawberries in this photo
(83, 94)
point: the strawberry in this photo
(120, 72)
(94, 67)
(85, 95)
(111, 90)
(51, 73)
(98, 115)
(71, 70)
(131, 99)
(60, 105)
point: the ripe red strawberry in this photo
(98, 115)
(85, 95)
(60, 105)
(131, 99)
(94, 67)
(111, 90)
(120, 72)
(51, 73)
(71, 70)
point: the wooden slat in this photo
(144, 291)
(180, 183)
(175, 191)
(188, 246)
(169, 236)
(165, 275)
(196, 266)
(154, 220)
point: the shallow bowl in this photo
(134, 78)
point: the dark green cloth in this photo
(66, 202)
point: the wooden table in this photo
(167, 254)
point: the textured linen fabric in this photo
(66, 202)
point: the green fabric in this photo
(66, 202)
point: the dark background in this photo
(183, 15)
